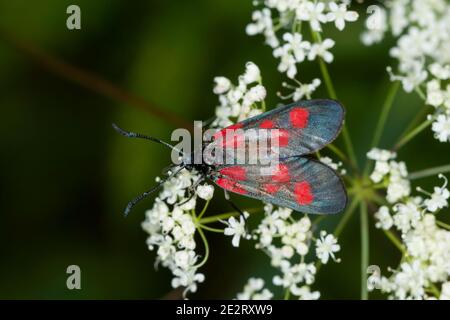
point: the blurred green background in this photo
(66, 175)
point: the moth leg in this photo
(196, 183)
(191, 195)
(191, 190)
(167, 169)
(207, 122)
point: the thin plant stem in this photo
(332, 93)
(346, 217)
(205, 242)
(443, 225)
(226, 215)
(415, 121)
(203, 210)
(434, 290)
(383, 117)
(413, 133)
(287, 294)
(337, 151)
(364, 250)
(420, 93)
(391, 236)
(217, 230)
(429, 172)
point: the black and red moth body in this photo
(297, 181)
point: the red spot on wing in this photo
(271, 187)
(281, 173)
(282, 135)
(303, 194)
(230, 185)
(234, 172)
(229, 138)
(299, 117)
(223, 132)
(233, 141)
(267, 124)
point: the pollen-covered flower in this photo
(205, 191)
(441, 128)
(339, 14)
(254, 290)
(305, 293)
(313, 13)
(252, 73)
(384, 218)
(222, 85)
(236, 229)
(326, 246)
(393, 172)
(322, 50)
(438, 198)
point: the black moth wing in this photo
(303, 127)
(300, 183)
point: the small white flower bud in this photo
(256, 93)
(205, 192)
(222, 85)
(252, 73)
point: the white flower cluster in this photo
(292, 16)
(239, 102)
(302, 90)
(254, 290)
(391, 173)
(287, 242)
(426, 260)
(171, 229)
(422, 29)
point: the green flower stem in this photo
(346, 216)
(364, 250)
(413, 133)
(443, 225)
(415, 121)
(287, 294)
(217, 230)
(434, 290)
(226, 215)
(429, 172)
(332, 93)
(203, 210)
(205, 242)
(383, 117)
(420, 93)
(338, 152)
(391, 236)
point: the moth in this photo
(296, 181)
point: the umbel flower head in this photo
(422, 30)
(173, 223)
(425, 245)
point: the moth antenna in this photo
(133, 202)
(130, 134)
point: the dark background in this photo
(66, 175)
